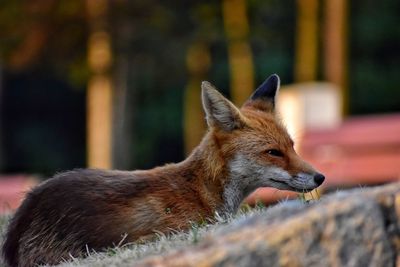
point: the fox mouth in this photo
(292, 188)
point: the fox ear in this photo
(264, 96)
(220, 111)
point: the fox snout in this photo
(304, 182)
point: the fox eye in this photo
(275, 152)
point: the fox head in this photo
(254, 145)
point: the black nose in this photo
(319, 178)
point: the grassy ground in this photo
(3, 227)
(127, 255)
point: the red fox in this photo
(90, 209)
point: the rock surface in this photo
(355, 228)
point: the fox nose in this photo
(319, 178)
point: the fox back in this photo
(88, 209)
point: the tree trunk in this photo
(306, 61)
(335, 47)
(239, 51)
(100, 87)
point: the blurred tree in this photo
(43, 51)
(1, 124)
(306, 62)
(100, 87)
(335, 47)
(158, 37)
(236, 24)
(44, 45)
(272, 36)
(373, 56)
(149, 40)
(198, 63)
(45, 32)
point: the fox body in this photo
(91, 209)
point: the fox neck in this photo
(216, 182)
(204, 169)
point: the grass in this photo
(128, 254)
(3, 227)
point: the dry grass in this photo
(3, 227)
(127, 255)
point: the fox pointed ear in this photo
(220, 111)
(264, 96)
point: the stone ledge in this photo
(354, 228)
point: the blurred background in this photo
(116, 84)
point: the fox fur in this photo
(91, 209)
